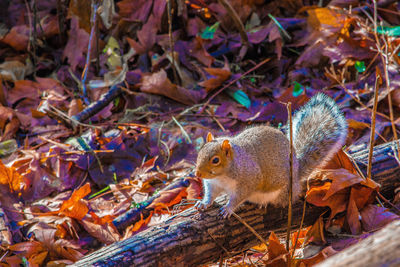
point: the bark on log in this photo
(193, 238)
(380, 249)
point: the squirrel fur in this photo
(254, 165)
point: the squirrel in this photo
(254, 165)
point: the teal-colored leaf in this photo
(298, 89)
(360, 66)
(83, 144)
(208, 33)
(240, 97)
(390, 31)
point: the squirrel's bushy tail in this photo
(319, 131)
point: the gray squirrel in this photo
(254, 165)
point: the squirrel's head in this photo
(213, 158)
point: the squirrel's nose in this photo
(198, 174)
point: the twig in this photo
(61, 20)
(32, 34)
(298, 233)
(68, 120)
(232, 82)
(289, 225)
(388, 202)
(250, 228)
(287, 35)
(95, 107)
(95, 6)
(216, 120)
(236, 19)
(171, 40)
(352, 96)
(97, 66)
(385, 62)
(372, 136)
(184, 133)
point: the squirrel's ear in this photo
(226, 146)
(210, 137)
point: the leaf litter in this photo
(67, 189)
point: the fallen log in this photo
(193, 238)
(379, 249)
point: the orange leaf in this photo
(138, 225)
(9, 176)
(302, 235)
(315, 195)
(27, 248)
(101, 220)
(316, 233)
(323, 17)
(38, 259)
(275, 248)
(75, 207)
(341, 160)
(169, 198)
(220, 76)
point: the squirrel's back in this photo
(319, 131)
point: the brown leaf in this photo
(17, 38)
(275, 248)
(353, 216)
(316, 233)
(24, 89)
(341, 178)
(105, 233)
(81, 10)
(158, 83)
(194, 190)
(77, 44)
(220, 76)
(373, 217)
(322, 255)
(9, 123)
(341, 160)
(336, 202)
(168, 199)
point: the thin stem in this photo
(92, 31)
(171, 39)
(372, 136)
(289, 109)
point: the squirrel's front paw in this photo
(225, 212)
(201, 205)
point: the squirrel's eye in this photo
(215, 160)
